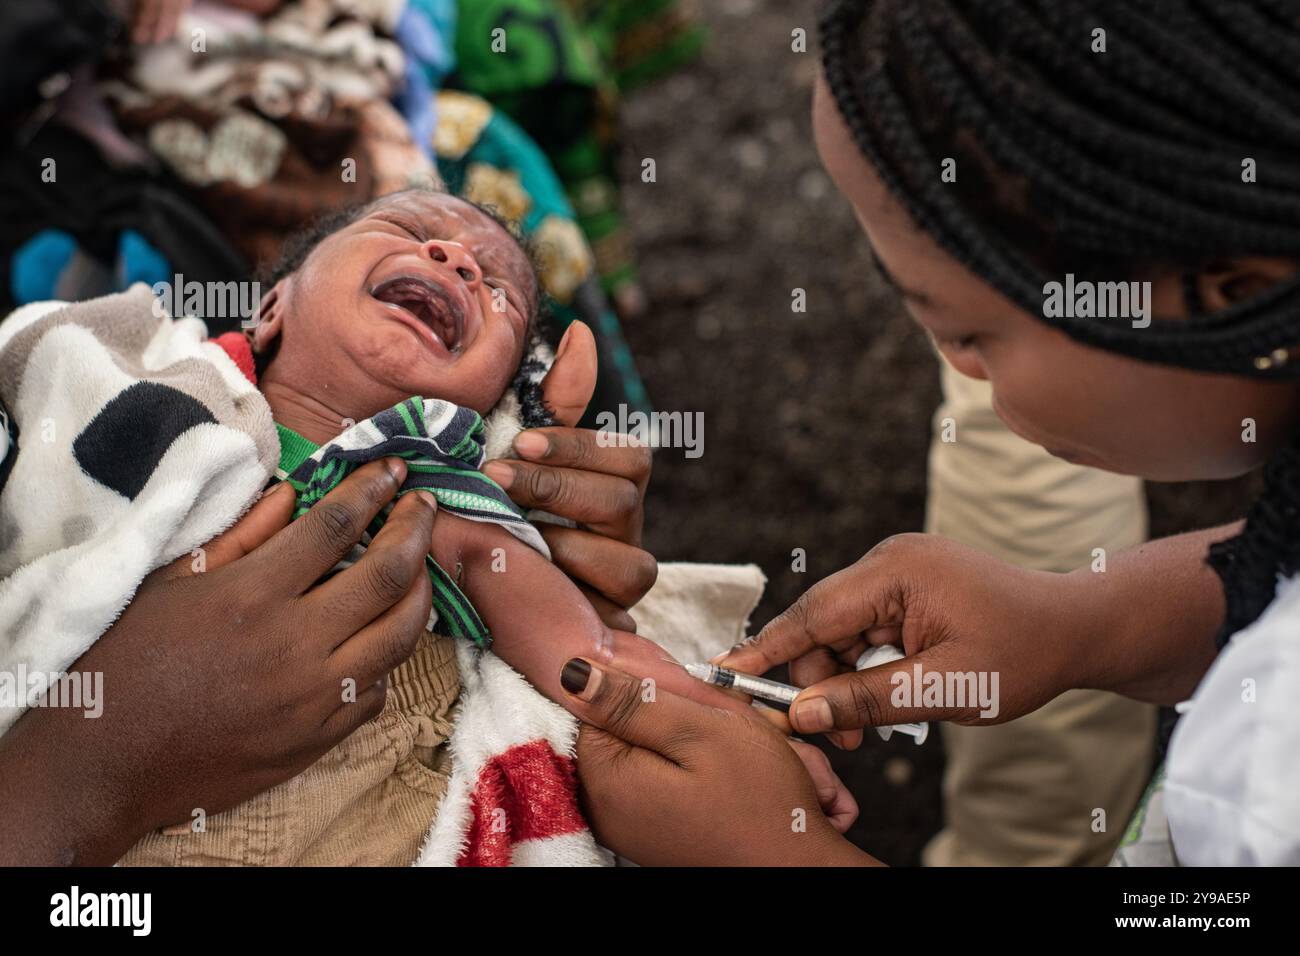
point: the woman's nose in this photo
(454, 256)
(967, 362)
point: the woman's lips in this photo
(1064, 455)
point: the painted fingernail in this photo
(499, 472)
(812, 716)
(532, 445)
(575, 675)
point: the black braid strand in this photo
(1106, 165)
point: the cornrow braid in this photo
(1123, 181)
(1116, 165)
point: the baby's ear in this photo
(270, 318)
(569, 384)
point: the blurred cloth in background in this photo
(202, 154)
(83, 210)
(275, 121)
(565, 68)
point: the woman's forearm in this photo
(55, 808)
(1149, 619)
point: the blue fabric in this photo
(426, 32)
(37, 264)
(138, 260)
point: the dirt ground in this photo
(816, 424)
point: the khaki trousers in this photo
(1027, 792)
(368, 802)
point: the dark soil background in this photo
(816, 424)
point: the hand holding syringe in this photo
(778, 693)
(885, 654)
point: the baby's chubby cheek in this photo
(464, 385)
(386, 372)
(478, 378)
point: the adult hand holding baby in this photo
(568, 472)
(671, 781)
(221, 684)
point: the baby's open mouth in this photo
(429, 303)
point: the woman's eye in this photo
(957, 344)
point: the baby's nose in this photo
(454, 256)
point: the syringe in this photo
(759, 687)
(778, 693)
(884, 654)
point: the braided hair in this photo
(1121, 163)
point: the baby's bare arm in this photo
(538, 617)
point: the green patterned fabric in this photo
(560, 76)
(442, 445)
(551, 79)
(1146, 840)
(641, 39)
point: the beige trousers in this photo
(1028, 792)
(367, 802)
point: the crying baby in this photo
(424, 294)
(391, 331)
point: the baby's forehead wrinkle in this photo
(476, 224)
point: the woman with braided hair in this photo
(1016, 166)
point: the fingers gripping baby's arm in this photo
(539, 619)
(535, 613)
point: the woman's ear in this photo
(1229, 281)
(569, 384)
(270, 318)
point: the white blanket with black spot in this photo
(135, 441)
